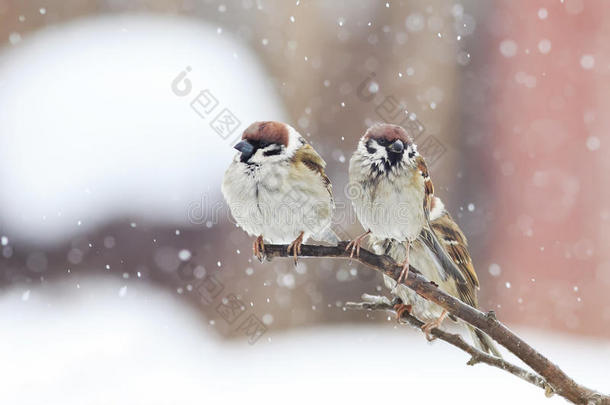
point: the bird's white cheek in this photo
(257, 157)
(379, 153)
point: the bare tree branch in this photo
(456, 340)
(559, 381)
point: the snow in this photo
(544, 46)
(543, 13)
(495, 269)
(125, 342)
(14, 38)
(587, 61)
(184, 255)
(508, 48)
(593, 143)
(92, 131)
(574, 6)
(415, 22)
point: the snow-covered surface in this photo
(91, 130)
(129, 343)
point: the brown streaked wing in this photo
(428, 186)
(428, 234)
(310, 158)
(456, 244)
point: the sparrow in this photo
(277, 190)
(391, 193)
(424, 259)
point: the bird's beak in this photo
(397, 146)
(245, 148)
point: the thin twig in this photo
(456, 340)
(559, 381)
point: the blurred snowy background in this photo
(120, 268)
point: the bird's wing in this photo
(428, 234)
(456, 245)
(307, 155)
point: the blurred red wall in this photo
(550, 164)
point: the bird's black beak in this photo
(397, 146)
(246, 149)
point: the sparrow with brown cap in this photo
(277, 190)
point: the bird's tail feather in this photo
(483, 342)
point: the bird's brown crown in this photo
(267, 131)
(388, 132)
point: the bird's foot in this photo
(355, 244)
(405, 265)
(259, 248)
(428, 326)
(404, 272)
(295, 246)
(400, 309)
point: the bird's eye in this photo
(263, 144)
(383, 142)
(273, 152)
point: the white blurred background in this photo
(127, 343)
